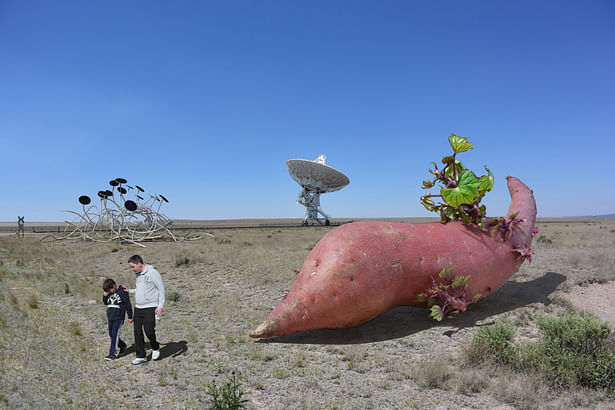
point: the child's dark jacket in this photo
(118, 304)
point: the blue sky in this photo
(204, 101)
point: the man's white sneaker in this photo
(139, 360)
(155, 354)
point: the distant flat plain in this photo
(45, 227)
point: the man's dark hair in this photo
(135, 259)
(108, 284)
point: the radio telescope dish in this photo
(315, 177)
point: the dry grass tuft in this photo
(527, 392)
(435, 373)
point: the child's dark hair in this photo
(108, 284)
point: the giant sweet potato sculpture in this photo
(360, 270)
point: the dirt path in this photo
(596, 298)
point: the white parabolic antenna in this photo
(315, 177)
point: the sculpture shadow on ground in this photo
(404, 321)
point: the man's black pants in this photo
(145, 320)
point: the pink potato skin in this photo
(360, 270)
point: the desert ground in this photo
(53, 334)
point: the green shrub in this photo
(494, 344)
(228, 396)
(174, 296)
(544, 239)
(74, 328)
(573, 349)
(33, 302)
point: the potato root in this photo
(360, 270)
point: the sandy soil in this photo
(597, 299)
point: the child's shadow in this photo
(171, 349)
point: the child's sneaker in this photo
(155, 354)
(110, 357)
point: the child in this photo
(118, 303)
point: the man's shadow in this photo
(403, 321)
(171, 349)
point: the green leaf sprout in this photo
(460, 189)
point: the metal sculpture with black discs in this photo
(122, 214)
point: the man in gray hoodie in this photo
(149, 301)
